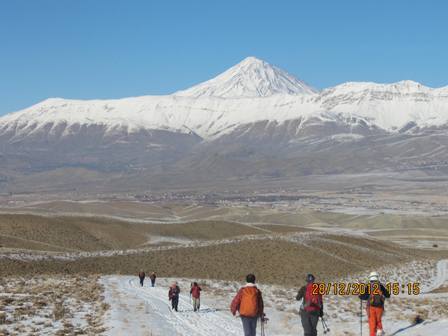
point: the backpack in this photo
(376, 299)
(174, 292)
(249, 302)
(196, 292)
(311, 301)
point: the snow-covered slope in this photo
(249, 92)
(207, 116)
(389, 106)
(250, 78)
(140, 310)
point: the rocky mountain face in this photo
(254, 121)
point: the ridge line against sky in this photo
(112, 49)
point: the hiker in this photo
(312, 307)
(173, 295)
(375, 297)
(141, 276)
(195, 293)
(153, 277)
(249, 303)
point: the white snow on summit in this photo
(389, 106)
(250, 78)
(249, 92)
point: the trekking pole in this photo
(326, 328)
(324, 325)
(360, 317)
(263, 321)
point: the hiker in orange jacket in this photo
(375, 297)
(249, 303)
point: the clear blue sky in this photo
(111, 49)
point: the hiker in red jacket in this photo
(249, 303)
(195, 293)
(312, 307)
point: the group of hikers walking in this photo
(195, 296)
(174, 291)
(248, 303)
(152, 277)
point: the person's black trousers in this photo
(174, 303)
(309, 323)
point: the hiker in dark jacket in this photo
(312, 307)
(153, 277)
(375, 297)
(173, 295)
(141, 276)
(195, 293)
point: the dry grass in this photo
(69, 233)
(51, 305)
(278, 228)
(443, 289)
(275, 260)
(77, 233)
(203, 230)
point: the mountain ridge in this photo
(211, 109)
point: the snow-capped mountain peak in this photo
(251, 77)
(249, 92)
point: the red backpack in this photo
(195, 292)
(312, 301)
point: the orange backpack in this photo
(249, 302)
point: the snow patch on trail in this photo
(144, 310)
(440, 278)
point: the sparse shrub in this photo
(40, 303)
(8, 301)
(58, 311)
(280, 308)
(418, 319)
(422, 314)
